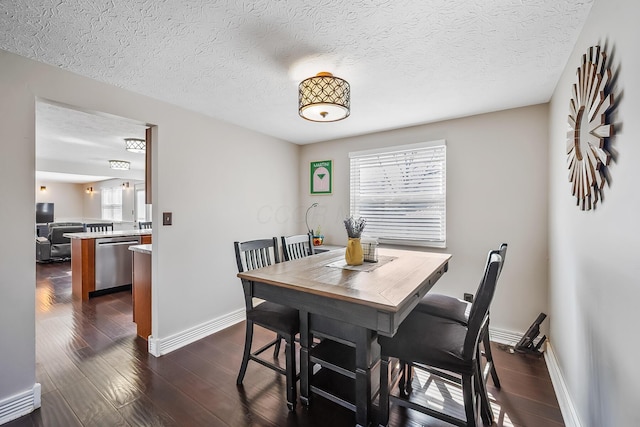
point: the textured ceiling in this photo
(80, 144)
(408, 62)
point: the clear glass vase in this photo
(353, 255)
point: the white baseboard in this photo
(510, 338)
(502, 336)
(20, 404)
(567, 407)
(565, 402)
(158, 347)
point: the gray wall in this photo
(594, 256)
(17, 270)
(92, 202)
(66, 197)
(593, 269)
(215, 178)
(496, 192)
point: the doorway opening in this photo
(73, 176)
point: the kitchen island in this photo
(89, 276)
(141, 289)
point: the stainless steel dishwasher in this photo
(114, 261)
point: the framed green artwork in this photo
(321, 177)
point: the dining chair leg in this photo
(486, 344)
(409, 375)
(468, 394)
(485, 405)
(306, 367)
(247, 351)
(383, 402)
(403, 378)
(276, 348)
(290, 354)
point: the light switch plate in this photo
(167, 218)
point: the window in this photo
(401, 191)
(112, 203)
(141, 207)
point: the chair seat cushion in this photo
(446, 307)
(276, 317)
(431, 340)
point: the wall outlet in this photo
(167, 218)
(468, 297)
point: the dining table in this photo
(347, 307)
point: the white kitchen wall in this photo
(17, 271)
(595, 255)
(219, 180)
(66, 197)
(73, 203)
(496, 192)
(500, 188)
(92, 202)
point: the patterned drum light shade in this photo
(324, 98)
(135, 145)
(119, 165)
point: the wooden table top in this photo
(397, 276)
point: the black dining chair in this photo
(144, 225)
(437, 344)
(282, 320)
(99, 226)
(458, 310)
(298, 246)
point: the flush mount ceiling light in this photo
(122, 165)
(135, 145)
(324, 98)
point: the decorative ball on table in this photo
(353, 255)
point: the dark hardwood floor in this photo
(94, 371)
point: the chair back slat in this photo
(298, 246)
(257, 258)
(254, 254)
(482, 302)
(265, 260)
(503, 253)
(99, 226)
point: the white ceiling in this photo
(76, 146)
(68, 177)
(408, 61)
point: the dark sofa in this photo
(55, 247)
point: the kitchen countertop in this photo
(100, 234)
(143, 249)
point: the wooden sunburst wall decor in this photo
(589, 120)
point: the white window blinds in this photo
(112, 203)
(401, 191)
